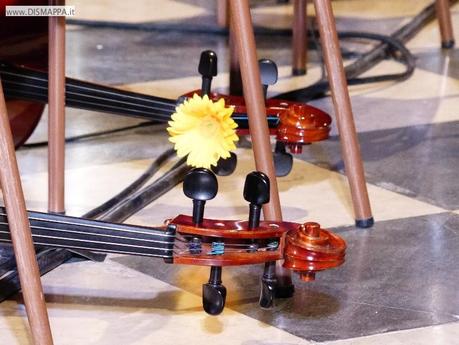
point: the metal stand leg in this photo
(343, 110)
(56, 121)
(444, 20)
(242, 29)
(299, 38)
(29, 274)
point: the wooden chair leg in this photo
(56, 108)
(343, 110)
(244, 41)
(444, 20)
(299, 38)
(222, 13)
(24, 251)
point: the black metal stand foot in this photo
(447, 44)
(364, 223)
(298, 71)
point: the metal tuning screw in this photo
(200, 185)
(256, 192)
(268, 74)
(208, 69)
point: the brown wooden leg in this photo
(56, 121)
(343, 110)
(444, 20)
(299, 38)
(222, 13)
(244, 39)
(29, 274)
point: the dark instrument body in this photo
(24, 41)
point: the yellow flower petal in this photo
(203, 130)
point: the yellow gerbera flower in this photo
(204, 130)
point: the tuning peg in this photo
(268, 74)
(283, 161)
(226, 166)
(256, 192)
(200, 185)
(214, 293)
(208, 69)
(268, 286)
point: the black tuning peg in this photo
(200, 185)
(214, 293)
(226, 166)
(256, 192)
(208, 69)
(283, 161)
(268, 286)
(268, 74)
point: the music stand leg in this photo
(299, 37)
(56, 107)
(444, 21)
(343, 111)
(242, 30)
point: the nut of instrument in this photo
(301, 124)
(309, 249)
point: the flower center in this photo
(209, 126)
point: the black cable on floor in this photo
(317, 90)
(371, 58)
(144, 197)
(186, 28)
(132, 188)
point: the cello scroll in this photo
(306, 248)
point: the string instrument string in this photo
(30, 84)
(87, 235)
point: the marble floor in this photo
(399, 282)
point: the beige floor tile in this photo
(429, 37)
(356, 9)
(421, 85)
(109, 304)
(447, 334)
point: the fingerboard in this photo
(78, 233)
